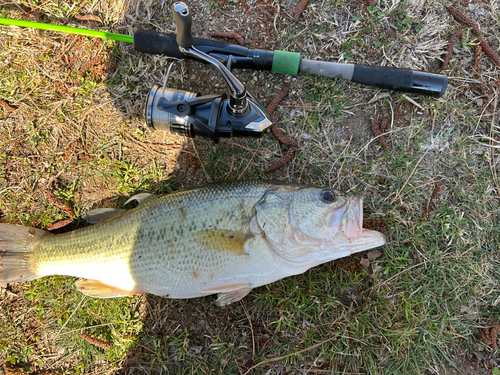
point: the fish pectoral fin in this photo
(224, 299)
(222, 239)
(98, 289)
(102, 214)
(230, 293)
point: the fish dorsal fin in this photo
(222, 239)
(102, 214)
(98, 289)
(229, 293)
(140, 198)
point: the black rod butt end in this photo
(429, 84)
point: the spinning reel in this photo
(215, 115)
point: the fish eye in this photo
(328, 196)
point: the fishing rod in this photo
(215, 115)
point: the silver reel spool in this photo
(161, 120)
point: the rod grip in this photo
(405, 80)
(157, 43)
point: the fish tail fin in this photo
(16, 250)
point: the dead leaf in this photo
(365, 262)
(372, 255)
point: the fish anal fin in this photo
(230, 293)
(98, 289)
(222, 239)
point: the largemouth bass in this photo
(220, 239)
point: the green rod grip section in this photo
(67, 29)
(286, 62)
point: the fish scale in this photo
(223, 238)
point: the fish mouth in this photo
(348, 225)
(352, 220)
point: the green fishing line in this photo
(67, 29)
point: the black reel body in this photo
(189, 114)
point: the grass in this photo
(418, 309)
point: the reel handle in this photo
(183, 21)
(238, 103)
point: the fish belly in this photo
(196, 271)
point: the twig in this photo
(449, 48)
(201, 164)
(282, 161)
(132, 356)
(353, 175)
(462, 17)
(52, 199)
(147, 146)
(37, 17)
(67, 48)
(424, 262)
(273, 104)
(306, 106)
(271, 107)
(413, 102)
(251, 159)
(489, 51)
(88, 17)
(378, 132)
(299, 9)
(60, 224)
(69, 318)
(167, 145)
(478, 52)
(56, 202)
(90, 64)
(229, 35)
(341, 155)
(97, 342)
